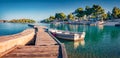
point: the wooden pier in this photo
(43, 38)
(46, 46)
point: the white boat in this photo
(68, 35)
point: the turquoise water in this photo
(100, 41)
(11, 28)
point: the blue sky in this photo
(41, 9)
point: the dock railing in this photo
(62, 46)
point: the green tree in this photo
(116, 12)
(79, 12)
(89, 11)
(97, 10)
(22, 21)
(60, 16)
(104, 16)
(70, 16)
(51, 18)
(48, 20)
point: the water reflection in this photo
(99, 42)
(73, 28)
(101, 27)
(78, 43)
(82, 42)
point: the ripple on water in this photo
(99, 42)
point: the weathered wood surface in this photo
(43, 38)
(34, 52)
(45, 47)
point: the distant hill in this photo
(3, 21)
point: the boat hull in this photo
(68, 36)
(72, 39)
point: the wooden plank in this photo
(51, 46)
(45, 47)
(39, 54)
(37, 49)
(32, 57)
(30, 51)
(43, 38)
